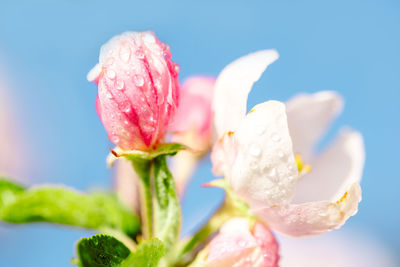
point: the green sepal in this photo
(147, 254)
(101, 251)
(61, 205)
(168, 149)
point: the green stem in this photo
(143, 170)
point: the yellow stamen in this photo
(301, 167)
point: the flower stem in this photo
(143, 170)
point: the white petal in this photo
(94, 73)
(234, 84)
(264, 172)
(309, 116)
(314, 217)
(334, 171)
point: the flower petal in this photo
(313, 217)
(309, 116)
(335, 170)
(264, 172)
(234, 84)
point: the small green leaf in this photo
(147, 254)
(65, 206)
(101, 251)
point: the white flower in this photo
(257, 153)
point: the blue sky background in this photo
(47, 48)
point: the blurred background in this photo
(50, 132)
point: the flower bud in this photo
(193, 122)
(138, 90)
(242, 243)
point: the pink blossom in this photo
(242, 243)
(138, 89)
(193, 122)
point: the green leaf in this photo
(101, 250)
(167, 213)
(65, 206)
(147, 254)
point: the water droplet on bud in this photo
(111, 74)
(138, 80)
(139, 54)
(120, 85)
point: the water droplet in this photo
(115, 139)
(275, 137)
(176, 69)
(151, 118)
(127, 109)
(255, 150)
(120, 85)
(139, 54)
(253, 165)
(138, 80)
(126, 122)
(281, 154)
(109, 95)
(125, 53)
(109, 61)
(111, 74)
(166, 47)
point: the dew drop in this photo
(139, 54)
(166, 47)
(120, 85)
(275, 137)
(253, 165)
(281, 154)
(126, 122)
(127, 109)
(109, 61)
(115, 139)
(111, 74)
(109, 95)
(255, 150)
(138, 80)
(176, 69)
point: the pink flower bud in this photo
(241, 243)
(193, 122)
(138, 89)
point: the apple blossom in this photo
(243, 243)
(138, 89)
(258, 157)
(192, 126)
